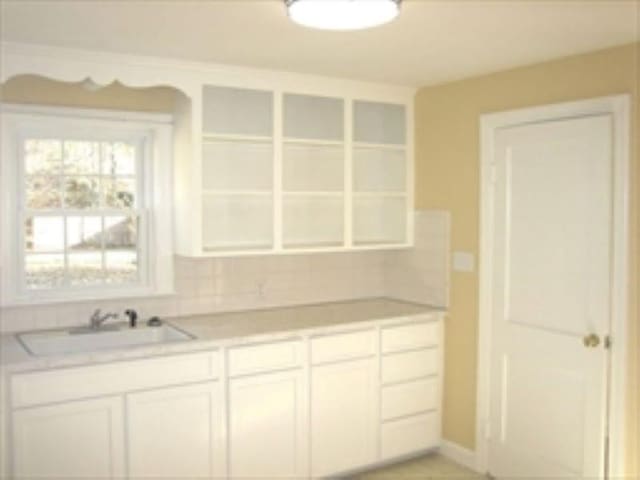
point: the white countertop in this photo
(223, 329)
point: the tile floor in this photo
(429, 467)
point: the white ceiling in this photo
(432, 41)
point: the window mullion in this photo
(66, 282)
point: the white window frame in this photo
(154, 179)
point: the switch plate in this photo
(463, 262)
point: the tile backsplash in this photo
(420, 274)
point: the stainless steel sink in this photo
(75, 340)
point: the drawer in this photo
(265, 357)
(410, 398)
(409, 435)
(343, 346)
(78, 382)
(411, 335)
(399, 367)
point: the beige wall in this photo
(32, 89)
(447, 177)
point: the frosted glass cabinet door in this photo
(75, 440)
(173, 432)
(236, 111)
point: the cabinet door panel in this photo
(82, 439)
(343, 416)
(173, 432)
(267, 426)
(409, 435)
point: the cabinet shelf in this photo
(313, 142)
(227, 137)
(380, 194)
(238, 247)
(380, 146)
(329, 193)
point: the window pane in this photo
(85, 269)
(81, 158)
(119, 159)
(121, 266)
(44, 234)
(81, 192)
(120, 232)
(119, 192)
(43, 157)
(84, 233)
(44, 271)
(42, 192)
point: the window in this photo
(90, 192)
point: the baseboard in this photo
(459, 454)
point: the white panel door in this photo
(175, 432)
(82, 439)
(551, 291)
(344, 406)
(268, 426)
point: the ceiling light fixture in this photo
(342, 14)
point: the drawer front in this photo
(410, 398)
(69, 383)
(409, 435)
(409, 336)
(265, 357)
(343, 346)
(399, 367)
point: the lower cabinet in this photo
(316, 407)
(79, 439)
(174, 432)
(343, 416)
(267, 426)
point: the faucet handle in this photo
(133, 317)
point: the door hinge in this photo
(607, 342)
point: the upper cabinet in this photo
(277, 171)
(237, 169)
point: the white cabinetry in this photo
(411, 390)
(313, 405)
(175, 432)
(344, 402)
(80, 439)
(75, 422)
(237, 169)
(267, 426)
(275, 171)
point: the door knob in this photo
(591, 341)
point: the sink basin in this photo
(55, 342)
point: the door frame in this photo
(618, 107)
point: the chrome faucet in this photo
(97, 319)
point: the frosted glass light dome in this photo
(342, 14)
